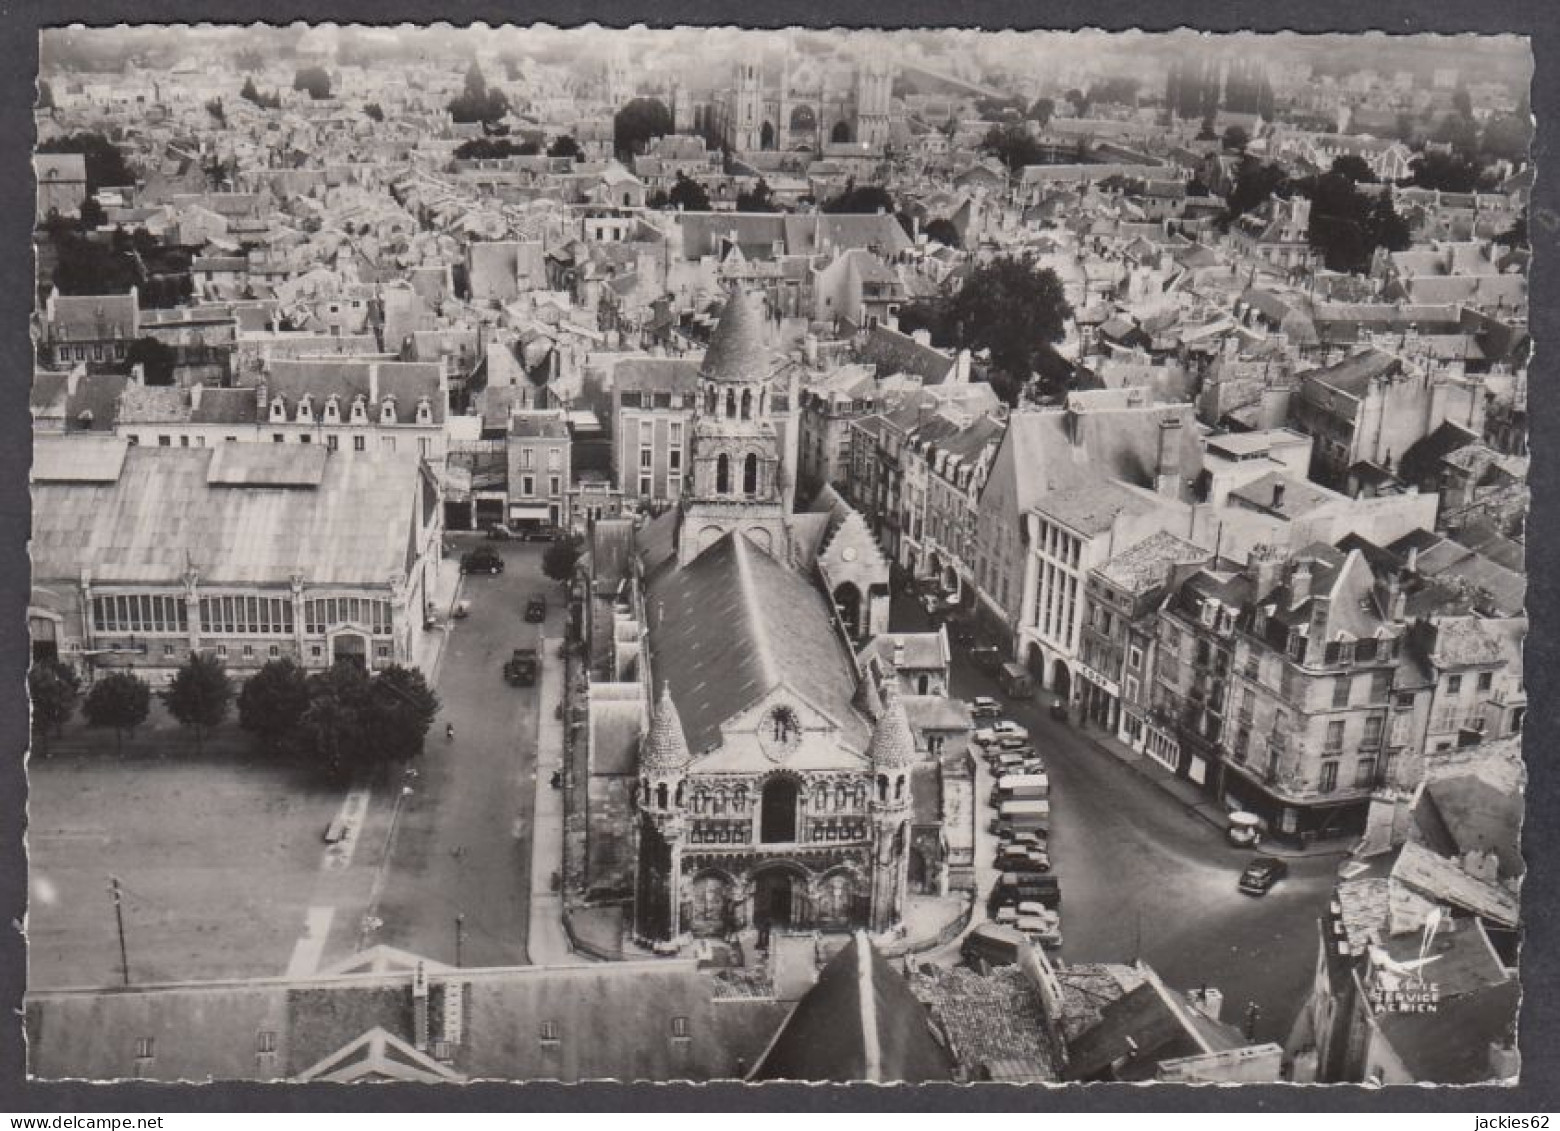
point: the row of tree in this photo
(343, 719)
(1347, 224)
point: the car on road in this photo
(481, 560)
(985, 707)
(542, 532)
(1261, 874)
(1011, 858)
(1013, 888)
(499, 533)
(987, 659)
(1045, 929)
(536, 610)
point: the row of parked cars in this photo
(1027, 896)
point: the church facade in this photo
(806, 110)
(774, 775)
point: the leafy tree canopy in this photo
(200, 694)
(565, 146)
(688, 195)
(860, 198)
(314, 80)
(106, 166)
(636, 123)
(1355, 168)
(1012, 145)
(561, 560)
(53, 688)
(273, 701)
(120, 700)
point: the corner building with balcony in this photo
(774, 775)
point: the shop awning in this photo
(524, 511)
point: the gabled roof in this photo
(859, 1022)
(733, 625)
(1141, 1028)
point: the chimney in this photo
(1265, 564)
(73, 378)
(1278, 496)
(1167, 478)
(1299, 583)
(961, 367)
(420, 1008)
(373, 382)
(195, 391)
(1412, 565)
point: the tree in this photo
(1012, 145)
(93, 215)
(561, 560)
(397, 712)
(1354, 167)
(331, 726)
(106, 167)
(120, 700)
(860, 198)
(1013, 309)
(1078, 100)
(943, 232)
(490, 148)
(638, 122)
(1042, 110)
(476, 102)
(1448, 172)
(761, 199)
(1461, 103)
(1517, 235)
(1206, 133)
(565, 146)
(53, 688)
(1347, 226)
(156, 359)
(1255, 182)
(1236, 139)
(314, 80)
(273, 701)
(374, 111)
(688, 195)
(199, 695)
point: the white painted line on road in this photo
(316, 929)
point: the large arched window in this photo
(750, 474)
(723, 474)
(731, 404)
(777, 821)
(747, 404)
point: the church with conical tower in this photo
(775, 784)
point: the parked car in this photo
(1029, 840)
(1013, 888)
(1044, 929)
(1261, 874)
(541, 532)
(1011, 858)
(985, 707)
(481, 560)
(1007, 728)
(1244, 830)
(536, 610)
(499, 533)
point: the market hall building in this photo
(144, 555)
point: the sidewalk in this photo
(1192, 798)
(547, 943)
(428, 643)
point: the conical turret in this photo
(737, 349)
(893, 745)
(666, 747)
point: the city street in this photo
(1142, 877)
(463, 844)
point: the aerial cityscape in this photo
(664, 555)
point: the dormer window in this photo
(359, 411)
(387, 411)
(278, 410)
(332, 411)
(306, 410)
(424, 411)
